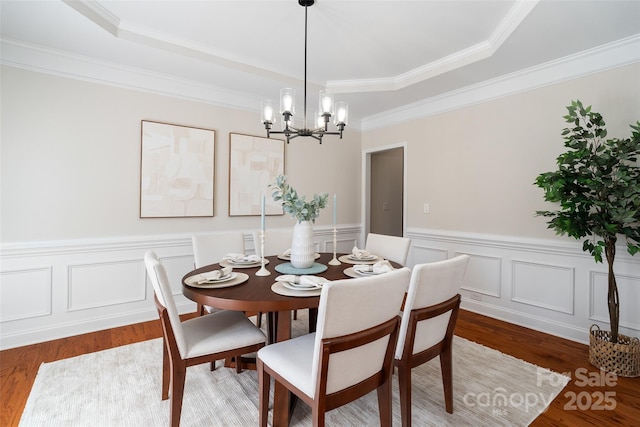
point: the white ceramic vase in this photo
(302, 250)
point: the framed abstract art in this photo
(254, 163)
(176, 171)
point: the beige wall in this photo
(71, 161)
(71, 156)
(476, 166)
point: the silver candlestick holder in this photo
(263, 271)
(334, 261)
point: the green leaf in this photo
(596, 184)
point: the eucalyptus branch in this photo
(296, 205)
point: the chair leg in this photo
(272, 321)
(317, 416)
(404, 385)
(166, 373)
(384, 403)
(446, 366)
(259, 319)
(264, 384)
(313, 319)
(178, 373)
(212, 367)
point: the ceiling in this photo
(377, 55)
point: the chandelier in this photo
(326, 110)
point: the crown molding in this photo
(49, 61)
(459, 59)
(31, 57)
(613, 55)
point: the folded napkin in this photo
(211, 276)
(306, 281)
(241, 258)
(379, 267)
(286, 253)
(360, 253)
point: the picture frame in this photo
(177, 166)
(254, 164)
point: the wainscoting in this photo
(51, 290)
(547, 285)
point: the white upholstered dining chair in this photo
(349, 355)
(276, 241)
(393, 248)
(428, 320)
(202, 339)
(211, 248)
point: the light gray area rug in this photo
(121, 387)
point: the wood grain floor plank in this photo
(19, 366)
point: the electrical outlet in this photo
(425, 209)
(385, 206)
(476, 296)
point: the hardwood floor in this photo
(585, 401)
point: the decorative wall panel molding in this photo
(421, 254)
(91, 285)
(104, 284)
(176, 266)
(546, 285)
(25, 293)
(543, 285)
(508, 279)
(483, 274)
(629, 295)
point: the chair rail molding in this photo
(56, 289)
(547, 285)
(551, 285)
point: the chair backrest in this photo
(393, 248)
(164, 295)
(350, 306)
(211, 248)
(431, 284)
(276, 241)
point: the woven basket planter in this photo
(621, 358)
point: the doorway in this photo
(385, 181)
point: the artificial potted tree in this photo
(598, 187)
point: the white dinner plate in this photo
(300, 287)
(253, 264)
(237, 279)
(229, 276)
(366, 273)
(363, 258)
(355, 273)
(280, 289)
(348, 260)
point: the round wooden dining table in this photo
(255, 295)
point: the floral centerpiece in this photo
(295, 205)
(302, 246)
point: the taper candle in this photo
(335, 208)
(262, 215)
